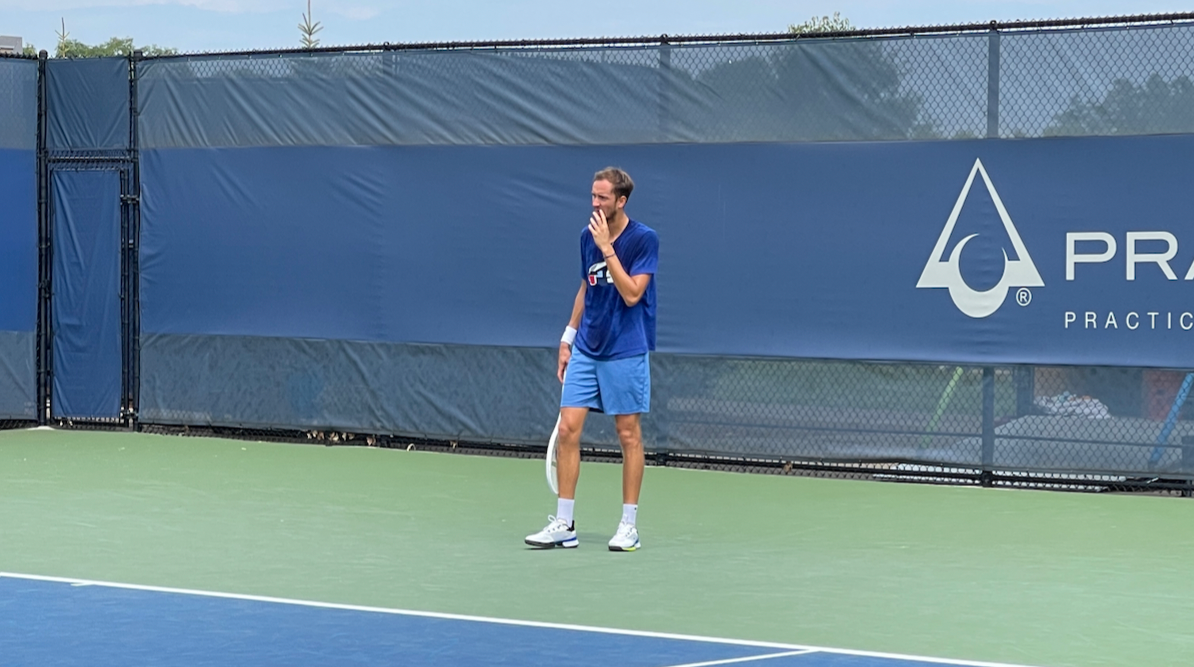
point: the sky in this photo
(226, 25)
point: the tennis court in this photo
(134, 548)
(363, 243)
(63, 621)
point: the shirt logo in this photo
(941, 272)
(597, 272)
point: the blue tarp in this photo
(799, 250)
(87, 103)
(18, 281)
(18, 240)
(18, 237)
(18, 104)
(86, 299)
(386, 241)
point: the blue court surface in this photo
(55, 621)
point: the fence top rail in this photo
(16, 56)
(665, 39)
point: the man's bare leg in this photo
(630, 435)
(572, 422)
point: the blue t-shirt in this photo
(609, 329)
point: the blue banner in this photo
(1046, 251)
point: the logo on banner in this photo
(942, 272)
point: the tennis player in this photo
(605, 350)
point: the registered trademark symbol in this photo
(1023, 296)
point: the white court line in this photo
(506, 621)
(751, 658)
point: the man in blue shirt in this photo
(605, 351)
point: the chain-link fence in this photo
(1072, 79)
(1095, 427)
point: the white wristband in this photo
(569, 335)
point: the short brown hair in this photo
(623, 184)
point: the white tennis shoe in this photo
(556, 534)
(626, 539)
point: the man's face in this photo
(604, 199)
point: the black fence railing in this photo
(729, 38)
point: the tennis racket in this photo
(553, 476)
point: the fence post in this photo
(42, 396)
(993, 82)
(988, 448)
(132, 251)
(988, 425)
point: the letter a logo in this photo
(941, 272)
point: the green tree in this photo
(116, 46)
(821, 24)
(307, 30)
(1155, 106)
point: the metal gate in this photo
(89, 209)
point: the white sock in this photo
(629, 513)
(564, 509)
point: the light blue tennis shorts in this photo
(617, 387)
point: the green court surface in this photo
(1027, 577)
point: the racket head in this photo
(553, 479)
